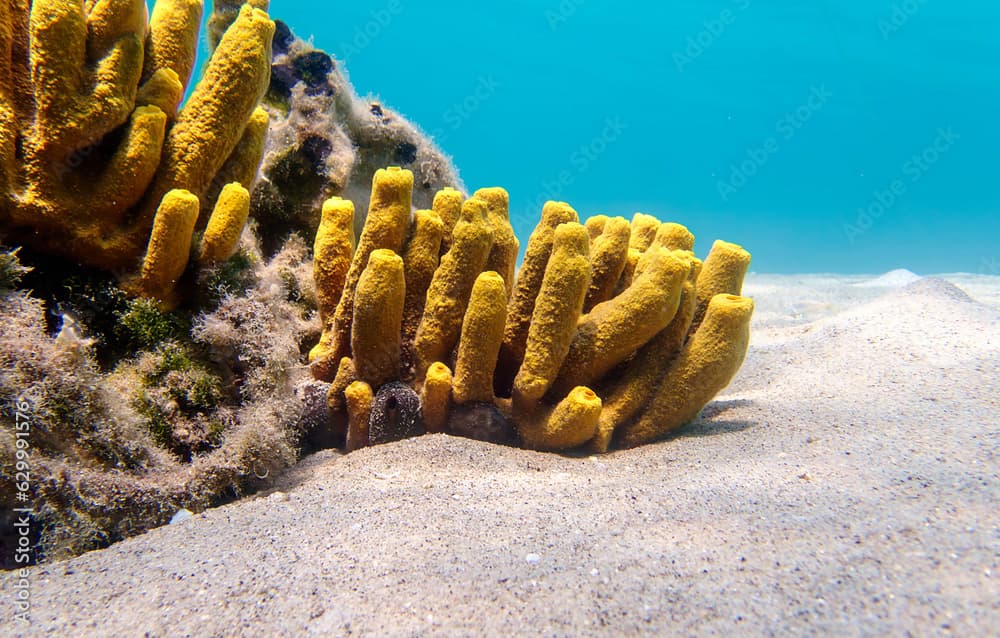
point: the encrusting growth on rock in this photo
(592, 342)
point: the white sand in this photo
(847, 483)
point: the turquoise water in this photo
(850, 136)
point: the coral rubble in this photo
(611, 334)
(96, 162)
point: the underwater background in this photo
(830, 136)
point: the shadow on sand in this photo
(712, 421)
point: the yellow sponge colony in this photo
(97, 164)
(605, 337)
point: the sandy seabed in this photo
(846, 483)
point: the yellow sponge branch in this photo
(482, 332)
(451, 287)
(359, 398)
(386, 227)
(528, 283)
(448, 205)
(378, 318)
(644, 229)
(570, 424)
(615, 329)
(333, 250)
(503, 255)
(169, 245)
(707, 364)
(420, 259)
(172, 42)
(557, 309)
(722, 274)
(435, 398)
(225, 225)
(609, 256)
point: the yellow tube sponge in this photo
(172, 42)
(628, 273)
(609, 253)
(482, 332)
(707, 364)
(527, 285)
(378, 318)
(242, 164)
(359, 397)
(169, 245)
(615, 329)
(89, 142)
(108, 196)
(435, 398)
(570, 424)
(557, 309)
(225, 225)
(448, 205)
(595, 225)
(722, 274)
(420, 259)
(644, 228)
(163, 90)
(77, 105)
(214, 118)
(503, 255)
(674, 236)
(448, 294)
(333, 251)
(345, 376)
(642, 375)
(386, 227)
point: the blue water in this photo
(850, 136)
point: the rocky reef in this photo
(611, 334)
(325, 141)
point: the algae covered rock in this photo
(189, 408)
(324, 141)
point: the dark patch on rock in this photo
(483, 422)
(313, 68)
(395, 414)
(406, 153)
(283, 38)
